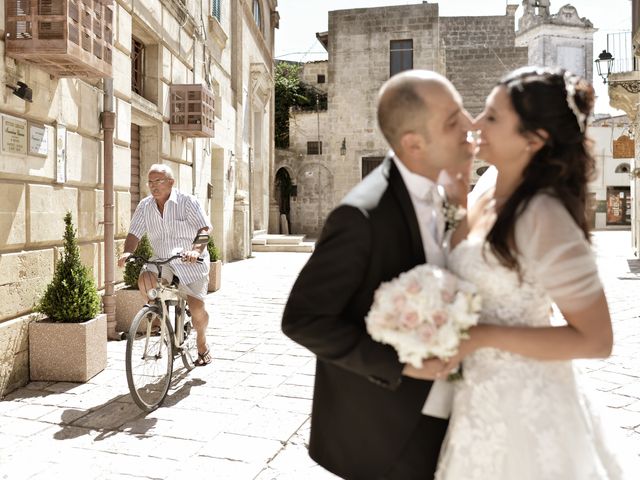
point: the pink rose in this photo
(426, 331)
(410, 319)
(399, 301)
(447, 296)
(439, 318)
(414, 287)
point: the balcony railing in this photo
(67, 38)
(619, 44)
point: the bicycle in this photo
(152, 342)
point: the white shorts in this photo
(197, 289)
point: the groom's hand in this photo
(431, 369)
(456, 180)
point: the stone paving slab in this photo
(246, 416)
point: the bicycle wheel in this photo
(189, 347)
(149, 359)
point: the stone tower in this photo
(562, 40)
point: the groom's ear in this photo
(412, 142)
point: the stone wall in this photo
(235, 63)
(478, 52)
(473, 52)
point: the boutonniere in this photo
(453, 215)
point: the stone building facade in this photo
(624, 93)
(363, 46)
(51, 150)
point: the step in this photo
(284, 239)
(278, 239)
(302, 247)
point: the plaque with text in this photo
(38, 140)
(61, 153)
(14, 135)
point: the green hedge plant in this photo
(214, 252)
(132, 269)
(71, 296)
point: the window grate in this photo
(215, 9)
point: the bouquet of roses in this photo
(422, 313)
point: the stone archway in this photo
(284, 189)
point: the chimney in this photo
(511, 10)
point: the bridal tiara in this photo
(570, 87)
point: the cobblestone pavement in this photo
(246, 416)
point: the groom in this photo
(366, 420)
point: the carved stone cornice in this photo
(624, 93)
(631, 86)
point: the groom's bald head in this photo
(404, 103)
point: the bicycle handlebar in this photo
(136, 258)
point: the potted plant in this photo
(215, 268)
(128, 299)
(70, 344)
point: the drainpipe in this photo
(108, 124)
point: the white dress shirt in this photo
(427, 203)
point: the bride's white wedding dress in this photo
(514, 417)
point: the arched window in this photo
(623, 168)
(257, 13)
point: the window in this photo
(314, 148)
(257, 13)
(215, 9)
(401, 56)
(137, 66)
(321, 79)
(369, 164)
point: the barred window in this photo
(215, 9)
(314, 148)
(321, 78)
(137, 66)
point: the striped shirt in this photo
(175, 229)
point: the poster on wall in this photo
(38, 140)
(14, 135)
(61, 153)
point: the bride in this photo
(520, 411)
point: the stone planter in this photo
(67, 352)
(128, 303)
(215, 274)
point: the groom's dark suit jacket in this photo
(364, 411)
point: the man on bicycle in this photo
(172, 220)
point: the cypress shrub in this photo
(72, 295)
(132, 269)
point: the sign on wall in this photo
(38, 140)
(14, 135)
(624, 147)
(61, 153)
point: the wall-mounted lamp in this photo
(22, 91)
(343, 147)
(604, 64)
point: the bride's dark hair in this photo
(558, 103)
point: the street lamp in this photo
(606, 58)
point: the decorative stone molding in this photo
(261, 83)
(567, 16)
(624, 93)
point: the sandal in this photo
(204, 358)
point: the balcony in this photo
(66, 38)
(624, 79)
(192, 111)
